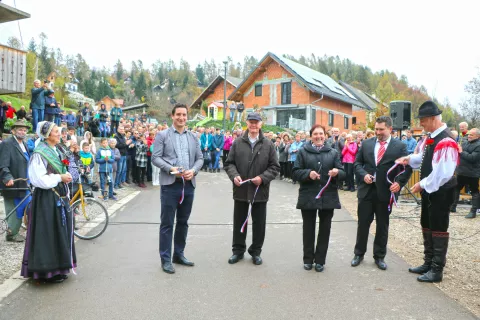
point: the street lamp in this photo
(225, 95)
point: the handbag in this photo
(206, 156)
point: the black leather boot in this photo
(440, 247)
(427, 252)
(475, 206)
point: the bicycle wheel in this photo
(26, 214)
(91, 222)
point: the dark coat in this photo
(121, 144)
(470, 159)
(365, 163)
(13, 165)
(21, 114)
(310, 159)
(248, 163)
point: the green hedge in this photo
(10, 122)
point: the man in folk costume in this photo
(49, 250)
(437, 162)
(14, 158)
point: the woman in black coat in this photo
(315, 163)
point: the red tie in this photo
(381, 151)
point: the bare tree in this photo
(13, 42)
(471, 105)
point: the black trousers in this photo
(350, 175)
(369, 208)
(324, 225)
(259, 218)
(283, 169)
(135, 171)
(288, 171)
(129, 169)
(113, 126)
(436, 209)
(471, 182)
(225, 156)
(149, 168)
(2, 127)
(141, 174)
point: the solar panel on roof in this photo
(314, 77)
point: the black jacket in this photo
(337, 144)
(13, 165)
(470, 159)
(103, 113)
(365, 162)
(21, 114)
(310, 159)
(248, 163)
(121, 144)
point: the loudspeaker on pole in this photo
(401, 114)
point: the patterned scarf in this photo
(51, 156)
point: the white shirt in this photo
(442, 169)
(377, 147)
(37, 173)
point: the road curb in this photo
(15, 281)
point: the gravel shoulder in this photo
(461, 275)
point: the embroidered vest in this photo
(427, 159)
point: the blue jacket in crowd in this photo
(217, 142)
(38, 98)
(206, 141)
(49, 109)
(294, 146)
(71, 120)
(411, 144)
(105, 165)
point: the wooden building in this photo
(13, 64)
(214, 94)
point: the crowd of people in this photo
(322, 161)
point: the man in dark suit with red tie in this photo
(376, 156)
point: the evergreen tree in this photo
(32, 46)
(140, 86)
(119, 70)
(200, 75)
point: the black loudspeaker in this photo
(401, 114)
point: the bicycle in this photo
(90, 216)
(3, 222)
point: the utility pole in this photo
(225, 95)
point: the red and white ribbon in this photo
(324, 187)
(183, 192)
(249, 210)
(392, 194)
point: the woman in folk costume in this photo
(49, 250)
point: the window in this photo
(354, 120)
(345, 122)
(330, 119)
(258, 90)
(286, 93)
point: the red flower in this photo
(66, 162)
(430, 141)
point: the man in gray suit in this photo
(177, 153)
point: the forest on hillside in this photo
(181, 82)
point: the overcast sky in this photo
(433, 44)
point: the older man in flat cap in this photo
(437, 161)
(251, 164)
(14, 157)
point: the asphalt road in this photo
(119, 274)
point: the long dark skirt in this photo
(49, 248)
